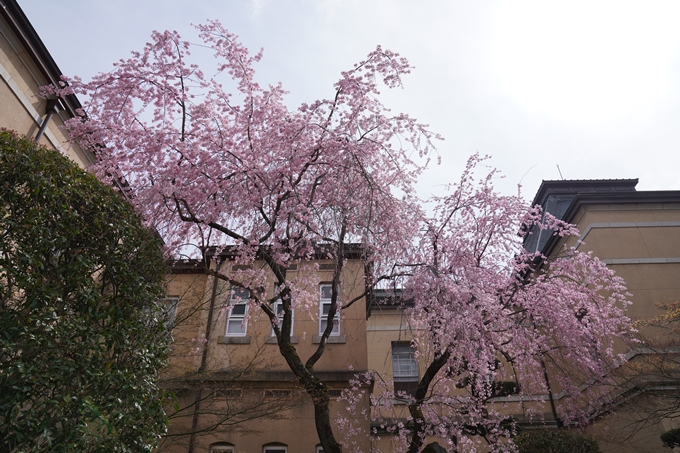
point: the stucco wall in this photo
(21, 108)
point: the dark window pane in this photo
(240, 294)
(326, 291)
(238, 310)
(405, 388)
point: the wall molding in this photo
(26, 103)
(597, 225)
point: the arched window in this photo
(275, 447)
(222, 447)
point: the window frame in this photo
(323, 318)
(170, 305)
(234, 301)
(405, 373)
(278, 394)
(222, 448)
(279, 303)
(276, 448)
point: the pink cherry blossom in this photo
(244, 173)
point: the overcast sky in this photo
(593, 87)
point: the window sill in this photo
(333, 339)
(234, 340)
(401, 402)
(272, 339)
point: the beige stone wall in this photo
(21, 109)
(191, 290)
(383, 327)
(260, 364)
(293, 428)
(641, 242)
(626, 430)
(351, 352)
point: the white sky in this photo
(593, 87)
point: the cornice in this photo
(574, 186)
(29, 39)
(616, 198)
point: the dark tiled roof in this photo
(573, 186)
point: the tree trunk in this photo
(417, 436)
(319, 393)
(305, 371)
(322, 419)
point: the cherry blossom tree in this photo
(278, 185)
(486, 313)
(242, 170)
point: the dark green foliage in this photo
(81, 339)
(671, 439)
(555, 441)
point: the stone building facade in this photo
(235, 391)
(25, 66)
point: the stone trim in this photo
(272, 339)
(32, 112)
(233, 340)
(335, 339)
(623, 225)
(641, 260)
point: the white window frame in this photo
(323, 317)
(404, 356)
(239, 298)
(404, 365)
(278, 311)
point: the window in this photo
(324, 307)
(275, 448)
(278, 394)
(170, 311)
(319, 449)
(278, 310)
(405, 369)
(334, 394)
(228, 394)
(238, 308)
(222, 447)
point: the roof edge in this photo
(595, 198)
(574, 185)
(24, 31)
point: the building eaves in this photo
(387, 299)
(321, 251)
(24, 31)
(187, 266)
(573, 186)
(620, 198)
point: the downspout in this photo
(52, 108)
(208, 328)
(204, 360)
(550, 396)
